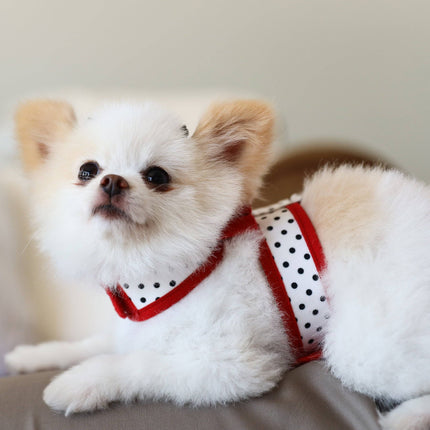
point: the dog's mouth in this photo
(111, 212)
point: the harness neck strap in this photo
(126, 308)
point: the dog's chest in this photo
(290, 256)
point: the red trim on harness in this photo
(309, 234)
(239, 224)
(316, 355)
(126, 309)
(280, 293)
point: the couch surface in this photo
(307, 398)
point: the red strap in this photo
(126, 309)
(276, 283)
(240, 223)
(309, 234)
(316, 355)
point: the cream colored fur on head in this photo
(225, 341)
(207, 171)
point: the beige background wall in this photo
(346, 69)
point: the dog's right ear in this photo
(39, 124)
(239, 133)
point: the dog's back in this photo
(374, 226)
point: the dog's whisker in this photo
(26, 246)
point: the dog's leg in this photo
(413, 414)
(54, 355)
(197, 379)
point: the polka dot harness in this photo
(298, 255)
(292, 260)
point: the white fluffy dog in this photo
(127, 200)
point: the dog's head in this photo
(129, 188)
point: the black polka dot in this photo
(298, 236)
(142, 299)
(307, 256)
(311, 341)
(284, 210)
(294, 285)
(315, 277)
(301, 306)
(270, 228)
(141, 286)
(309, 292)
(277, 244)
(157, 285)
(315, 312)
(319, 329)
(126, 286)
(264, 217)
(307, 325)
(172, 283)
(290, 220)
(284, 232)
(277, 218)
(285, 264)
(322, 298)
(292, 250)
(157, 298)
(300, 270)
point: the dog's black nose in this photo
(113, 184)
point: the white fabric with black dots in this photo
(297, 269)
(143, 292)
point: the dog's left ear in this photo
(239, 132)
(39, 125)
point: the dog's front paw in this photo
(83, 388)
(25, 359)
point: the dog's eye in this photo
(156, 177)
(88, 171)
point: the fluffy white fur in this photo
(16, 313)
(225, 340)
